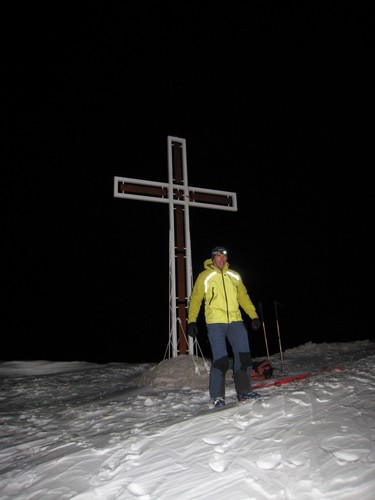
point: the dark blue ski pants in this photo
(237, 336)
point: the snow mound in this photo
(182, 371)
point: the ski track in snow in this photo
(301, 441)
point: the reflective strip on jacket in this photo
(223, 292)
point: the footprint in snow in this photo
(217, 463)
(138, 490)
(268, 461)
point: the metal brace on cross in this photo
(180, 197)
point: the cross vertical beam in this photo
(179, 197)
(182, 251)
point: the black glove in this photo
(192, 330)
(255, 324)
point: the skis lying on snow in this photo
(271, 383)
(295, 378)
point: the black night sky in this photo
(276, 103)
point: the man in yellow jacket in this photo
(223, 292)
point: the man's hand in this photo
(192, 330)
(255, 324)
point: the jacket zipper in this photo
(225, 293)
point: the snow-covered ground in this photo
(88, 431)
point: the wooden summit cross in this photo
(180, 196)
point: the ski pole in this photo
(278, 333)
(264, 328)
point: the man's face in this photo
(220, 260)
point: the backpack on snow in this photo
(262, 369)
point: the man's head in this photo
(219, 256)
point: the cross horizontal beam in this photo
(137, 189)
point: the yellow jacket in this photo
(223, 292)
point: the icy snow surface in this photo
(88, 431)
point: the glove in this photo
(192, 330)
(255, 324)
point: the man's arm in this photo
(245, 301)
(196, 300)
